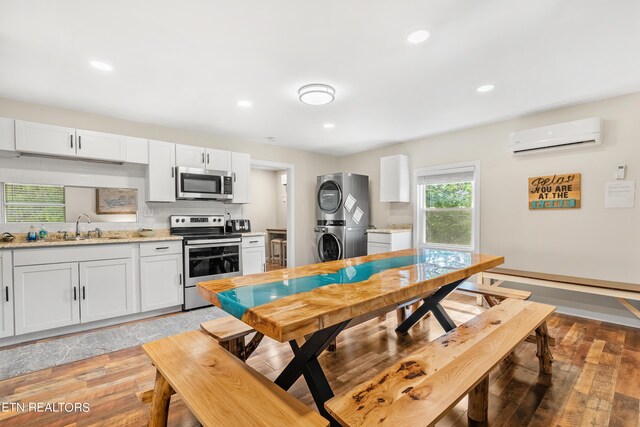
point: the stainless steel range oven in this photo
(209, 253)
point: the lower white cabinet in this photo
(46, 296)
(6, 304)
(161, 282)
(106, 289)
(253, 255)
(384, 241)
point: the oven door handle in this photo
(218, 243)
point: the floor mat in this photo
(58, 351)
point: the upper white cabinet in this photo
(188, 156)
(106, 289)
(7, 135)
(6, 304)
(161, 186)
(241, 168)
(137, 150)
(62, 141)
(45, 139)
(395, 182)
(101, 146)
(218, 160)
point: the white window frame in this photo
(419, 211)
(4, 204)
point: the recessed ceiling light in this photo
(418, 36)
(245, 104)
(328, 125)
(485, 88)
(103, 66)
(316, 94)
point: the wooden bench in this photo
(219, 389)
(621, 291)
(230, 334)
(493, 294)
(420, 389)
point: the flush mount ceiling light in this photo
(328, 125)
(316, 94)
(485, 88)
(245, 104)
(102, 66)
(418, 36)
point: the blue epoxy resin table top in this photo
(284, 302)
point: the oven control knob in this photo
(177, 220)
(219, 220)
(182, 219)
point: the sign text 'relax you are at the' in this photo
(555, 191)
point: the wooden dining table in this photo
(309, 306)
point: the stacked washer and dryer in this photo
(342, 212)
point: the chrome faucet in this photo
(78, 223)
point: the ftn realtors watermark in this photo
(45, 407)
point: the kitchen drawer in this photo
(378, 237)
(253, 241)
(50, 255)
(377, 248)
(160, 248)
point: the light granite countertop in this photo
(109, 238)
(389, 230)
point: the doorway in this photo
(272, 211)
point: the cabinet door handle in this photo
(84, 293)
(80, 142)
(253, 241)
(264, 267)
(162, 248)
(202, 157)
(172, 171)
(234, 177)
(71, 139)
(180, 279)
(75, 294)
(6, 293)
(207, 158)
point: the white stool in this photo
(276, 251)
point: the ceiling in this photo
(187, 64)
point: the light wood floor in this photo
(596, 378)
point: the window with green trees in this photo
(446, 211)
(33, 203)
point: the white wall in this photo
(262, 209)
(82, 200)
(307, 166)
(280, 200)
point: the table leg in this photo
(432, 304)
(305, 363)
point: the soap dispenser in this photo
(43, 233)
(32, 236)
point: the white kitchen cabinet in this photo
(161, 185)
(241, 169)
(137, 150)
(40, 138)
(387, 241)
(106, 289)
(395, 181)
(188, 156)
(46, 297)
(101, 146)
(218, 160)
(6, 305)
(253, 254)
(7, 136)
(161, 282)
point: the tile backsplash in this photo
(36, 170)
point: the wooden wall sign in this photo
(555, 191)
(116, 201)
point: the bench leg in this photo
(543, 351)
(160, 403)
(333, 345)
(252, 345)
(235, 347)
(479, 403)
(401, 315)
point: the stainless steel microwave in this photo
(202, 184)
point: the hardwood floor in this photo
(270, 266)
(596, 379)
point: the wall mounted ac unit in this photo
(562, 135)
